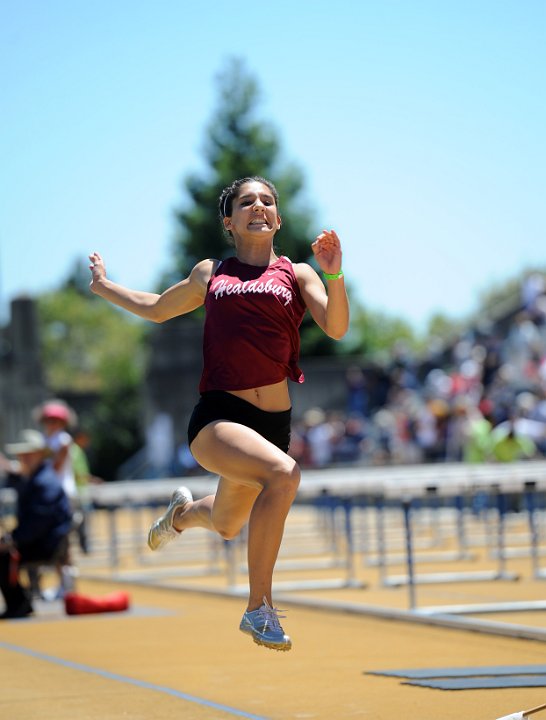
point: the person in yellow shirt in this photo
(508, 446)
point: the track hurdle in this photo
(412, 579)
(530, 502)
(348, 489)
(333, 505)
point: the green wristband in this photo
(333, 276)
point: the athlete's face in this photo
(254, 211)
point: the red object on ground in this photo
(78, 604)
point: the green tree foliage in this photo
(498, 301)
(87, 344)
(375, 333)
(115, 427)
(444, 328)
(91, 348)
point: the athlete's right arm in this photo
(179, 299)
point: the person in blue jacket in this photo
(44, 519)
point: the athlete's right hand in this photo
(98, 271)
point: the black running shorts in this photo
(220, 405)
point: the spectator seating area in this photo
(481, 399)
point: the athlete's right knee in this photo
(226, 528)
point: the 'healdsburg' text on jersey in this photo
(251, 334)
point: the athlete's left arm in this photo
(330, 310)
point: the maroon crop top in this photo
(251, 334)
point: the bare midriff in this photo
(271, 398)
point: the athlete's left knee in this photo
(286, 477)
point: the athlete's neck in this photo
(255, 255)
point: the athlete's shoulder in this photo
(207, 264)
(303, 271)
(204, 269)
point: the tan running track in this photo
(179, 654)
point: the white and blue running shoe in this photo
(264, 626)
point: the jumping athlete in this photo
(240, 428)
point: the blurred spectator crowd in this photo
(482, 399)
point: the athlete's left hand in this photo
(327, 251)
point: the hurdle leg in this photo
(136, 517)
(406, 506)
(113, 545)
(380, 539)
(435, 526)
(530, 502)
(461, 530)
(502, 573)
(351, 580)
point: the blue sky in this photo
(419, 125)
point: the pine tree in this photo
(238, 145)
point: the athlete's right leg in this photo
(235, 502)
(226, 513)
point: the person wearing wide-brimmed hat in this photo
(44, 519)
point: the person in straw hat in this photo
(44, 519)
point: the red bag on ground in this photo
(78, 604)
